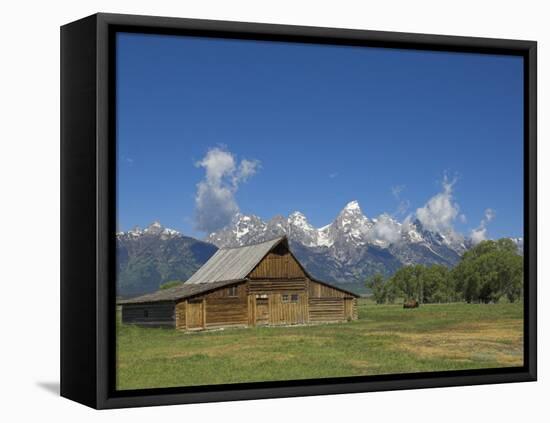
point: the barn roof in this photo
(178, 292)
(233, 263)
(226, 267)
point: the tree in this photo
(437, 284)
(391, 291)
(377, 285)
(406, 282)
(426, 284)
(514, 288)
(170, 284)
(489, 271)
(471, 288)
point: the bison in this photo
(411, 304)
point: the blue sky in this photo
(321, 126)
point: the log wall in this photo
(227, 307)
(350, 309)
(180, 315)
(319, 290)
(269, 286)
(223, 307)
(326, 309)
(149, 314)
(327, 304)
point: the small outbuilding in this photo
(256, 285)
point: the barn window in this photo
(286, 298)
(145, 313)
(232, 291)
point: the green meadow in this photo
(385, 339)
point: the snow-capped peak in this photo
(243, 230)
(353, 206)
(350, 225)
(346, 236)
(301, 230)
(135, 231)
(169, 231)
(154, 229)
(299, 219)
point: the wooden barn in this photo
(255, 285)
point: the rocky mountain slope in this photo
(146, 258)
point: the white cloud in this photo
(385, 229)
(440, 212)
(215, 203)
(333, 175)
(403, 205)
(127, 159)
(480, 233)
(406, 225)
(397, 190)
(247, 168)
(489, 215)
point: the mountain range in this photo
(146, 258)
(348, 250)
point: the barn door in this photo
(195, 313)
(262, 311)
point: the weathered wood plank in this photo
(180, 315)
(267, 286)
(326, 309)
(280, 265)
(318, 290)
(194, 316)
(149, 314)
(226, 306)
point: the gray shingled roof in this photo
(177, 292)
(232, 263)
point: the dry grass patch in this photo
(496, 341)
(361, 365)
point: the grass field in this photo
(385, 339)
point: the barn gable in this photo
(233, 263)
(279, 263)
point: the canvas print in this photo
(291, 211)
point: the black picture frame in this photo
(88, 199)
